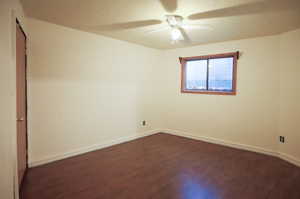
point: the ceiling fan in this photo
(177, 25)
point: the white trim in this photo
(256, 149)
(95, 147)
(289, 158)
(221, 142)
(283, 156)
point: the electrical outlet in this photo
(144, 123)
(281, 139)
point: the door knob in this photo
(20, 119)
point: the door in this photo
(21, 102)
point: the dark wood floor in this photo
(163, 166)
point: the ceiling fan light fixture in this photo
(175, 34)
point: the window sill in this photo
(209, 92)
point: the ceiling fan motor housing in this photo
(174, 20)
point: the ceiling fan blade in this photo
(196, 27)
(248, 8)
(169, 5)
(126, 25)
(185, 36)
(160, 29)
(243, 9)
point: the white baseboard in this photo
(256, 149)
(220, 142)
(89, 149)
(289, 159)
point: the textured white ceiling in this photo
(228, 19)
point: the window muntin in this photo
(212, 74)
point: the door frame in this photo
(26, 100)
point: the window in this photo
(211, 74)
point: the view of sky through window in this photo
(219, 72)
(196, 74)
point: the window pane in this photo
(196, 74)
(220, 74)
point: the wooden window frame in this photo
(184, 60)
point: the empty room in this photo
(150, 99)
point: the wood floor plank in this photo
(164, 166)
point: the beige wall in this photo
(86, 90)
(248, 118)
(267, 103)
(9, 10)
(290, 93)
